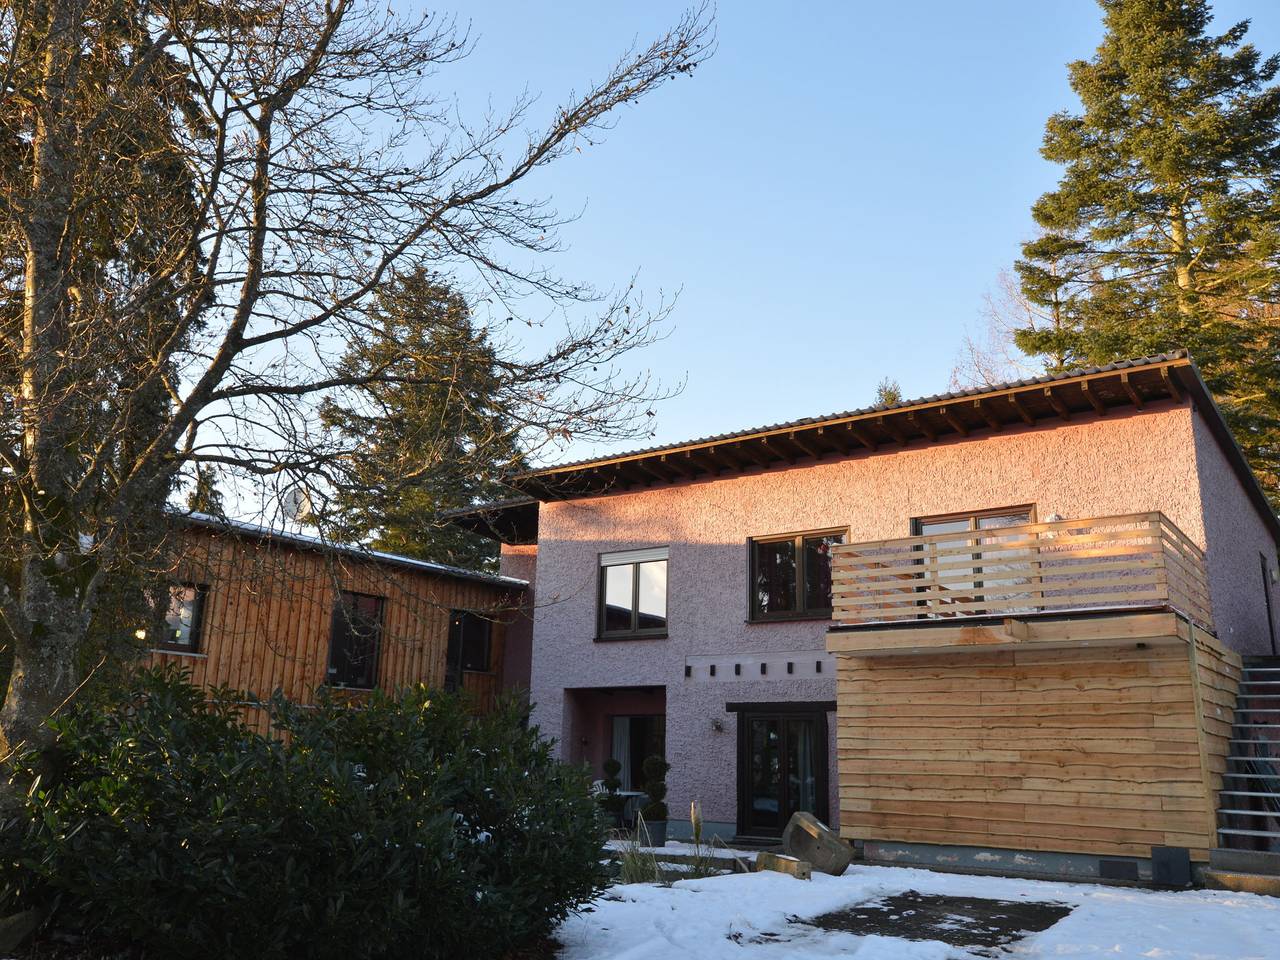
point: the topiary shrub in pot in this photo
(654, 811)
(609, 801)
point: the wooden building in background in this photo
(259, 610)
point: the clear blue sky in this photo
(833, 192)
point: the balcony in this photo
(1074, 568)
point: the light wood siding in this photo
(269, 611)
(1105, 750)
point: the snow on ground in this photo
(739, 916)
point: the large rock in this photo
(808, 838)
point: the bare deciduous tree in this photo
(198, 202)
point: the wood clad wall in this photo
(1095, 750)
(269, 611)
(1217, 681)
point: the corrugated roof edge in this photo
(863, 411)
(228, 525)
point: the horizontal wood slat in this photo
(1106, 751)
(1133, 560)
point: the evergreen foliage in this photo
(655, 786)
(432, 414)
(407, 828)
(1164, 230)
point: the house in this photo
(999, 628)
(259, 609)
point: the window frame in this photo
(973, 516)
(801, 612)
(459, 616)
(377, 641)
(196, 646)
(635, 632)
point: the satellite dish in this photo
(297, 504)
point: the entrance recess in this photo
(782, 765)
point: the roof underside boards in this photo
(1043, 401)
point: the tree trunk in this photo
(50, 625)
(1182, 257)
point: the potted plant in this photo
(609, 801)
(655, 809)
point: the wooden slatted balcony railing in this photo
(1136, 560)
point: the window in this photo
(469, 646)
(791, 575)
(354, 640)
(633, 594)
(185, 617)
(962, 584)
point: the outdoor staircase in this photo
(1248, 854)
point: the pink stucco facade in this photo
(1159, 458)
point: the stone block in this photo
(808, 838)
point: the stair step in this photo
(1253, 776)
(1248, 793)
(1248, 813)
(1239, 832)
(1268, 742)
(1244, 861)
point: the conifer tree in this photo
(435, 417)
(1164, 230)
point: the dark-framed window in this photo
(790, 574)
(961, 584)
(354, 640)
(633, 594)
(184, 620)
(470, 647)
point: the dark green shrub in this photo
(409, 828)
(655, 787)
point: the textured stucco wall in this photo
(519, 561)
(1125, 462)
(1235, 540)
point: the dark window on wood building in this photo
(354, 640)
(790, 575)
(184, 620)
(470, 646)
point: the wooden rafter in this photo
(862, 437)
(923, 425)
(795, 439)
(891, 428)
(839, 438)
(1055, 401)
(1171, 385)
(752, 453)
(1092, 396)
(994, 422)
(685, 469)
(653, 471)
(1134, 396)
(1020, 409)
(957, 424)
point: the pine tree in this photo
(436, 426)
(1164, 230)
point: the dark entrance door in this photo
(782, 767)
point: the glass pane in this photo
(618, 597)
(802, 776)
(817, 571)
(765, 767)
(475, 643)
(775, 574)
(181, 615)
(653, 595)
(1006, 520)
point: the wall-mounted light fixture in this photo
(717, 725)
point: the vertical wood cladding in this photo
(269, 611)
